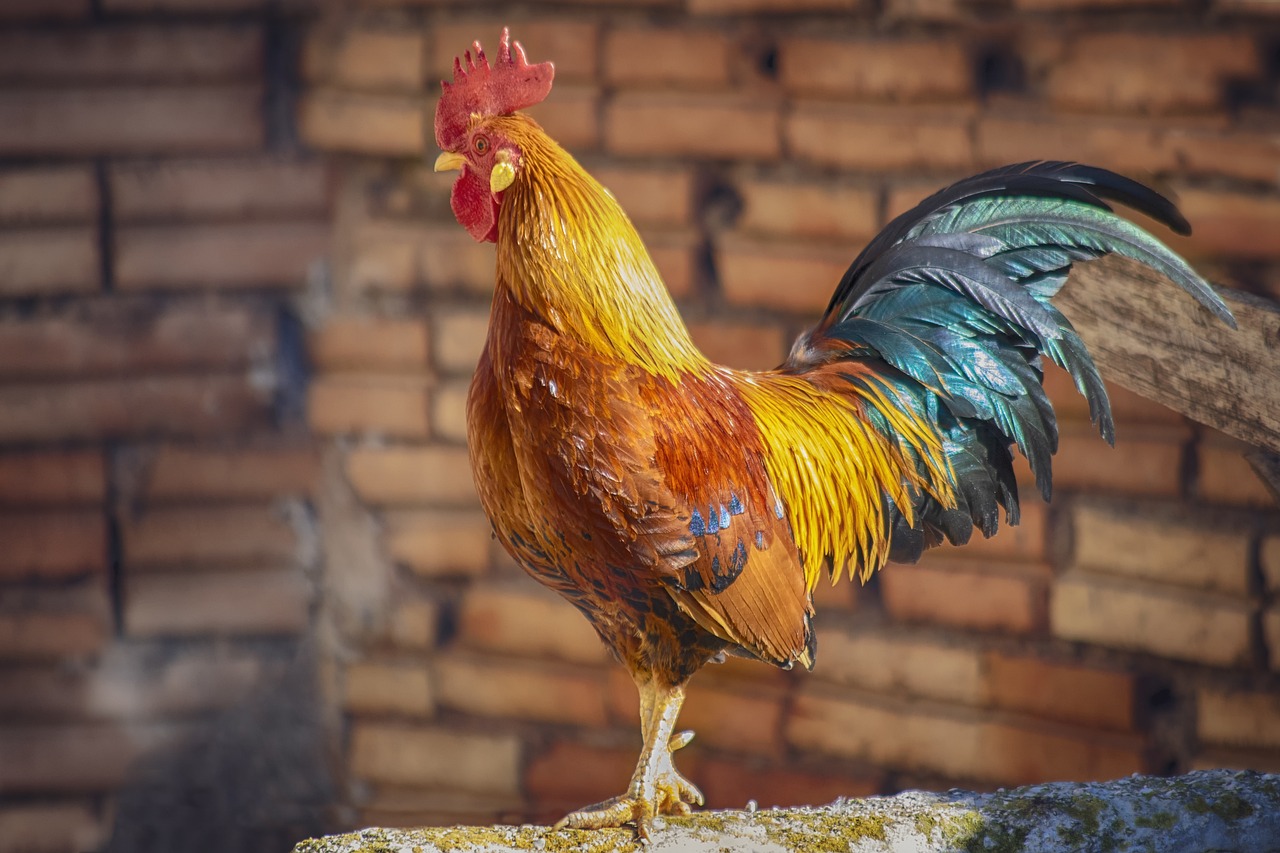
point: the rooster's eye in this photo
(481, 144)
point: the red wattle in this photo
(475, 206)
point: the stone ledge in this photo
(1218, 810)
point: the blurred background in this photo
(246, 590)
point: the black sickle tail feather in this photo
(952, 298)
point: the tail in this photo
(953, 299)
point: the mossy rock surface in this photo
(1211, 810)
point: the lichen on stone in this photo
(1207, 810)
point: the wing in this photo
(634, 485)
(746, 585)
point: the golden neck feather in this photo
(568, 253)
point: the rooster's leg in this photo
(656, 788)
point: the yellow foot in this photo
(666, 792)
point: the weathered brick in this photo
(36, 10)
(402, 754)
(52, 545)
(889, 138)
(1229, 223)
(1271, 634)
(735, 719)
(458, 338)
(902, 664)
(739, 7)
(621, 697)
(933, 11)
(782, 275)
(399, 257)
(1225, 475)
(69, 622)
(968, 594)
(182, 406)
(1067, 692)
(569, 773)
(440, 543)
(1180, 548)
(841, 595)
(76, 757)
(380, 125)
(731, 783)
(48, 194)
(1141, 71)
(745, 346)
(501, 687)
(383, 257)
(380, 687)
(449, 410)
(570, 42)
(957, 744)
(155, 119)
(132, 53)
(1145, 460)
(876, 69)
(49, 261)
(234, 255)
(1238, 718)
(393, 406)
(1024, 130)
(692, 125)
(449, 258)
(1090, 5)
(132, 682)
(413, 624)
(369, 343)
(404, 476)
(1247, 7)
(125, 340)
(1182, 624)
(51, 827)
(52, 478)
(686, 57)
(571, 116)
(178, 473)
(810, 210)
(186, 6)
(1236, 759)
(1131, 410)
(365, 59)
(650, 195)
(192, 604)
(227, 535)
(232, 188)
(1269, 555)
(1234, 151)
(525, 620)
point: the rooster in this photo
(688, 510)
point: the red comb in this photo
(511, 85)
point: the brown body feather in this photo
(682, 506)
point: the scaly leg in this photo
(656, 788)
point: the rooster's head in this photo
(488, 158)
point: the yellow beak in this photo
(448, 161)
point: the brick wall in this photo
(157, 222)
(1132, 626)
(227, 470)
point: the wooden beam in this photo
(1152, 338)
